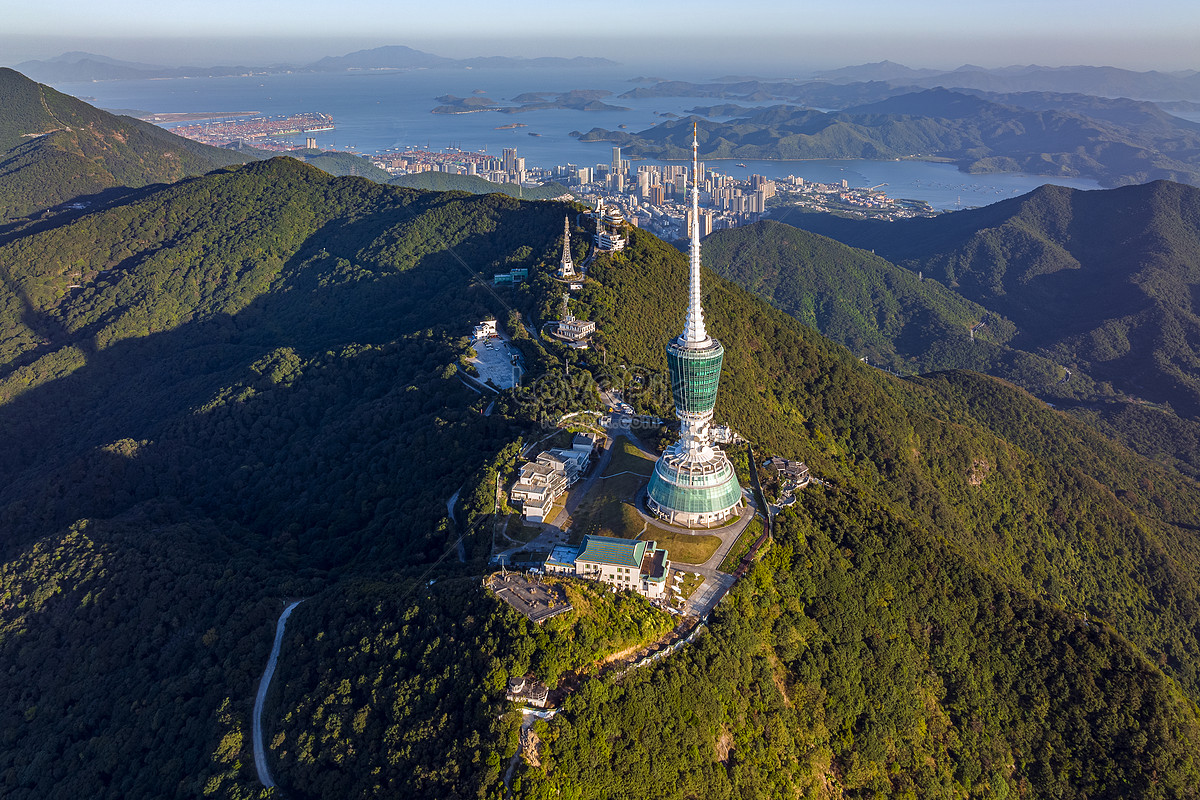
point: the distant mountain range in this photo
(79, 66)
(1116, 142)
(1100, 81)
(838, 88)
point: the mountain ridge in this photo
(981, 134)
(55, 148)
(74, 67)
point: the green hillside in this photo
(978, 549)
(1103, 282)
(241, 389)
(54, 148)
(449, 182)
(881, 312)
(342, 164)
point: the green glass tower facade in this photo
(693, 483)
(695, 375)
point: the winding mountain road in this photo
(260, 753)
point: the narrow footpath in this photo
(260, 753)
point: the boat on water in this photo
(743, 166)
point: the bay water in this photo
(379, 110)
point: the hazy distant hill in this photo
(819, 94)
(54, 148)
(1101, 81)
(391, 56)
(401, 57)
(76, 67)
(1126, 143)
(879, 71)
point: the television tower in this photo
(693, 483)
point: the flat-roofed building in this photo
(538, 485)
(571, 329)
(627, 564)
(793, 473)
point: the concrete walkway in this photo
(260, 752)
(709, 593)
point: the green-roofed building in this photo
(640, 567)
(693, 484)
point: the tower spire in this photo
(694, 334)
(566, 268)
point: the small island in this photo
(462, 105)
(576, 100)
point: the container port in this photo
(227, 131)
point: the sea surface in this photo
(381, 110)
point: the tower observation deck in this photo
(693, 483)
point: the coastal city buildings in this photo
(650, 196)
(693, 483)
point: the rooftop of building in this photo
(564, 555)
(614, 552)
(654, 563)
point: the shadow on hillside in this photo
(365, 444)
(64, 213)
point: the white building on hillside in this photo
(640, 567)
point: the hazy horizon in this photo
(765, 37)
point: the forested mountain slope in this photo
(886, 314)
(948, 619)
(55, 148)
(1104, 282)
(251, 389)
(239, 389)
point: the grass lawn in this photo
(742, 546)
(609, 510)
(518, 531)
(685, 548)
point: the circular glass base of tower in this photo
(694, 494)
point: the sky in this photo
(755, 34)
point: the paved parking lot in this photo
(494, 362)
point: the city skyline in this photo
(940, 34)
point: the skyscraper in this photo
(693, 482)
